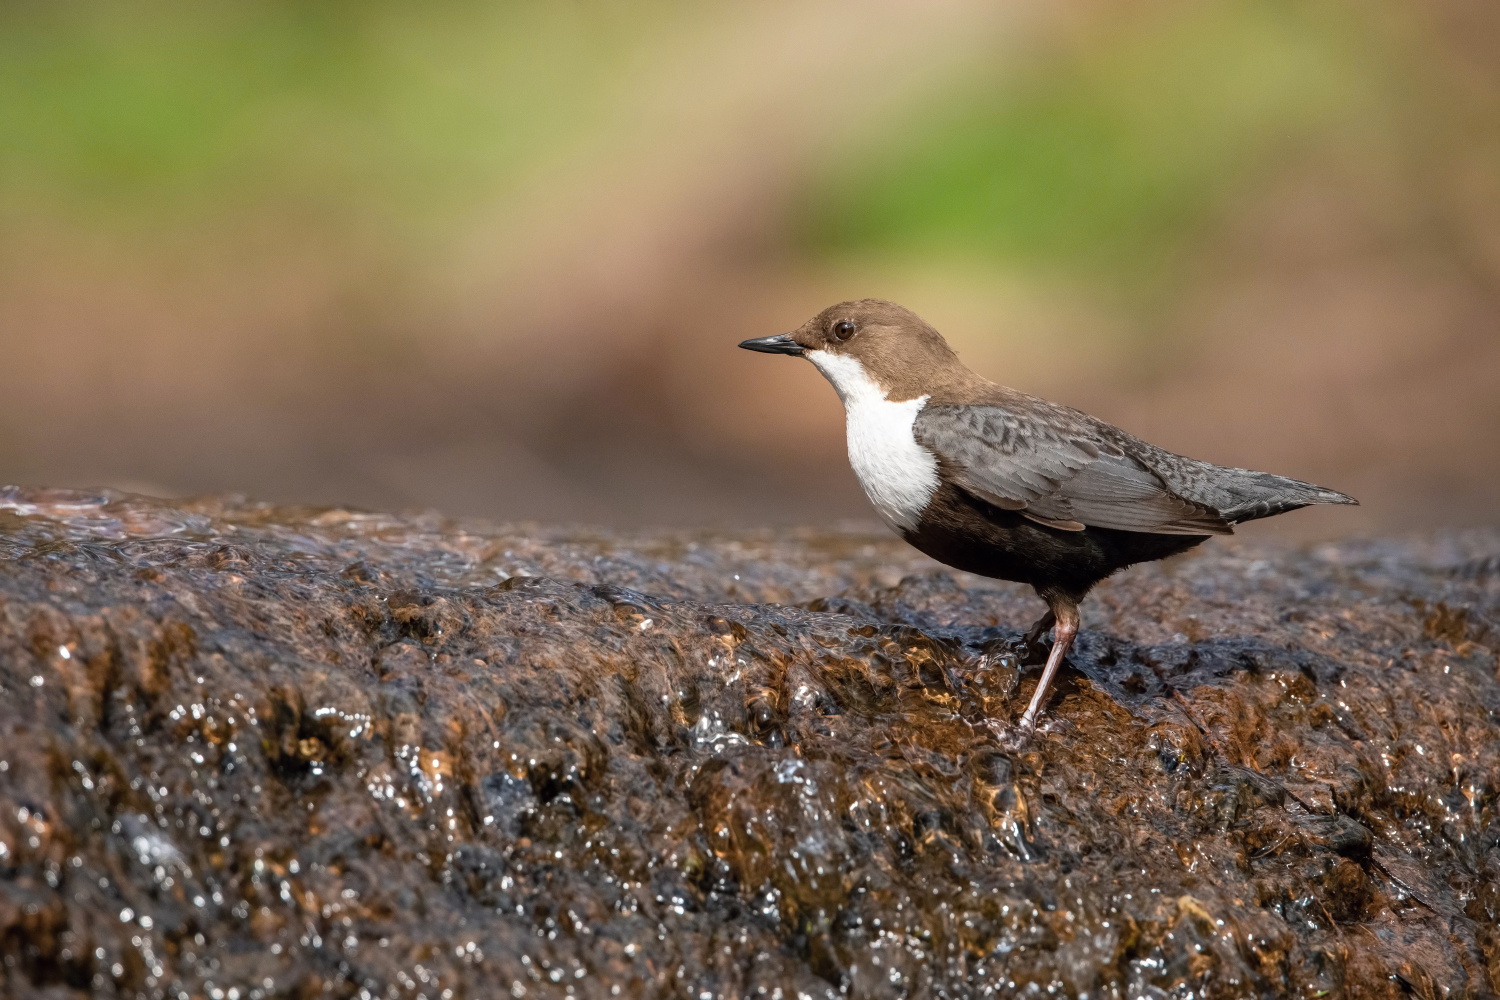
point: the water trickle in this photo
(326, 753)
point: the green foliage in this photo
(1103, 161)
(413, 111)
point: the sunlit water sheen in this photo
(291, 752)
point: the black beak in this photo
(779, 344)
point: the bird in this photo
(1010, 486)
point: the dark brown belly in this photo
(969, 534)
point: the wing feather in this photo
(1049, 467)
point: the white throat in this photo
(898, 475)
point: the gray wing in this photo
(1047, 464)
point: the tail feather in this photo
(1255, 495)
(1237, 495)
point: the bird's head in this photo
(874, 340)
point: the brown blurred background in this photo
(493, 258)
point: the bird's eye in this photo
(843, 330)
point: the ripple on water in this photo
(290, 751)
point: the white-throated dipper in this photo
(995, 482)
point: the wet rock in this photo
(249, 751)
(1341, 835)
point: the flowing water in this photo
(251, 751)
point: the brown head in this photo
(892, 346)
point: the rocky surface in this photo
(253, 751)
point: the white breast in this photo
(898, 475)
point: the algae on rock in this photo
(251, 751)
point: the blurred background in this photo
(494, 257)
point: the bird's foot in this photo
(1031, 646)
(1031, 651)
(1012, 738)
(999, 656)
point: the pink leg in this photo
(1035, 633)
(1063, 632)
